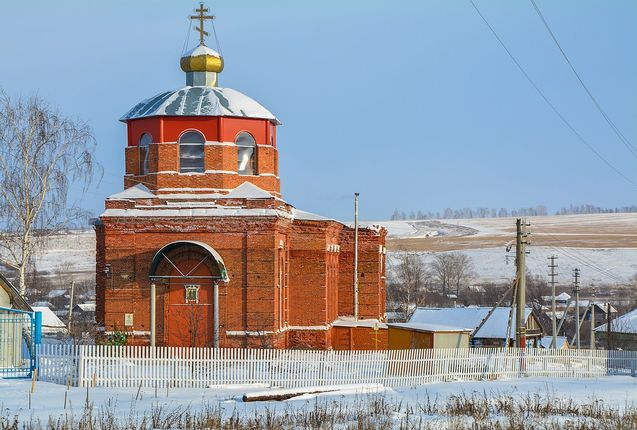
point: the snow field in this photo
(430, 405)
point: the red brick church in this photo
(201, 249)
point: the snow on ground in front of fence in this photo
(48, 400)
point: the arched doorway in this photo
(190, 272)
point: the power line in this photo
(588, 264)
(548, 102)
(610, 122)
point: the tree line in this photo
(539, 210)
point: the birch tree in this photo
(409, 284)
(42, 155)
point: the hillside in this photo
(603, 246)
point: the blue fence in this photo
(20, 332)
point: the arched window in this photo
(144, 141)
(246, 154)
(191, 150)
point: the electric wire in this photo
(586, 263)
(585, 260)
(548, 102)
(214, 31)
(187, 38)
(610, 122)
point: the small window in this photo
(191, 152)
(246, 154)
(192, 293)
(144, 141)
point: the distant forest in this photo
(539, 210)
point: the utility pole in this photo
(356, 256)
(576, 291)
(553, 266)
(592, 310)
(520, 264)
(71, 305)
(608, 330)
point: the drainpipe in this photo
(356, 256)
(215, 287)
(153, 306)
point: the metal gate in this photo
(19, 333)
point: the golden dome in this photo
(201, 59)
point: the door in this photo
(190, 305)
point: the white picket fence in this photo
(134, 366)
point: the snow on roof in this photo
(469, 318)
(56, 293)
(200, 101)
(49, 319)
(196, 212)
(42, 303)
(201, 50)
(563, 297)
(351, 322)
(139, 191)
(248, 190)
(561, 342)
(308, 216)
(626, 323)
(601, 306)
(86, 307)
(429, 327)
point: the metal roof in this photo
(200, 101)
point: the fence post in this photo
(80, 366)
(633, 362)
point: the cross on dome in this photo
(202, 17)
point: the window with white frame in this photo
(191, 152)
(246, 154)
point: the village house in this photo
(494, 332)
(623, 332)
(202, 249)
(12, 316)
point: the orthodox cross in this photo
(202, 17)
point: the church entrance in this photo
(190, 272)
(189, 306)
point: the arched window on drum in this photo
(246, 154)
(191, 152)
(144, 152)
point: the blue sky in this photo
(413, 104)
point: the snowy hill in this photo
(603, 246)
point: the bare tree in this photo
(462, 272)
(442, 268)
(42, 154)
(451, 269)
(409, 284)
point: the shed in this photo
(426, 336)
(367, 334)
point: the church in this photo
(201, 248)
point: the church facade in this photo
(201, 249)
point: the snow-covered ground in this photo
(602, 246)
(614, 392)
(597, 266)
(69, 252)
(595, 224)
